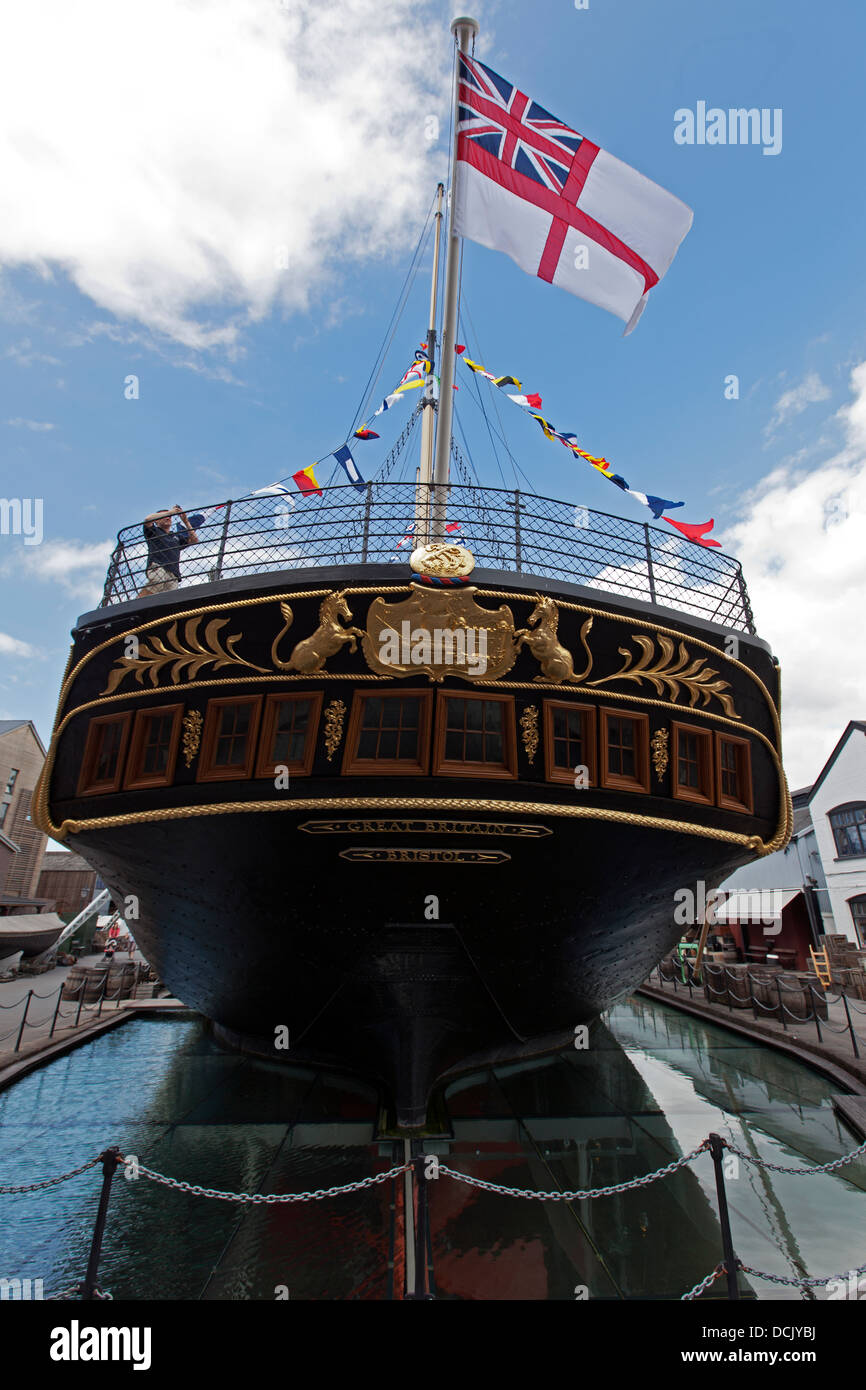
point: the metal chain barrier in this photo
(798, 1283)
(819, 1168)
(704, 1284)
(51, 1182)
(271, 1198)
(575, 1196)
(779, 1008)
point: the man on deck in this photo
(163, 550)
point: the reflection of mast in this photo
(465, 30)
(792, 1252)
(425, 471)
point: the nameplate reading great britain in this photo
(423, 827)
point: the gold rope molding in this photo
(414, 803)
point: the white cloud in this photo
(12, 646)
(31, 424)
(163, 155)
(804, 559)
(24, 352)
(78, 567)
(794, 401)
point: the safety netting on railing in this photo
(505, 530)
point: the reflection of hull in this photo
(309, 908)
(30, 933)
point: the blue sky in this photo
(137, 239)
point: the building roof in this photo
(860, 726)
(7, 726)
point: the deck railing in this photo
(514, 531)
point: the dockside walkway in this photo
(51, 1029)
(833, 1053)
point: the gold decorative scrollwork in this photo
(529, 731)
(659, 747)
(192, 722)
(672, 672)
(555, 660)
(334, 716)
(156, 653)
(310, 655)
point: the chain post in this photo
(56, 1012)
(23, 1021)
(850, 1024)
(781, 1005)
(815, 1014)
(110, 1159)
(717, 1150)
(81, 993)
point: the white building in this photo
(826, 858)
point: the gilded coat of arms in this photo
(440, 633)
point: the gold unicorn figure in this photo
(555, 660)
(311, 654)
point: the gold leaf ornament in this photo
(672, 672)
(334, 716)
(156, 653)
(529, 731)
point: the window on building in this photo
(848, 824)
(858, 912)
(289, 726)
(228, 742)
(733, 757)
(4, 811)
(102, 764)
(13, 778)
(569, 740)
(475, 735)
(389, 733)
(624, 751)
(153, 747)
(693, 764)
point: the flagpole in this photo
(465, 31)
(425, 471)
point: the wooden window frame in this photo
(729, 803)
(613, 781)
(86, 787)
(353, 766)
(265, 768)
(134, 779)
(834, 811)
(206, 772)
(445, 768)
(704, 795)
(553, 773)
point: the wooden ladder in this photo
(821, 964)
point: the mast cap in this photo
(465, 23)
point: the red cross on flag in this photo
(561, 207)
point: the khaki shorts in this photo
(160, 580)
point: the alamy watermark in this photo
(443, 646)
(760, 906)
(22, 516)
(736, 126)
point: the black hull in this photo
(260, 927)
(393, 925)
